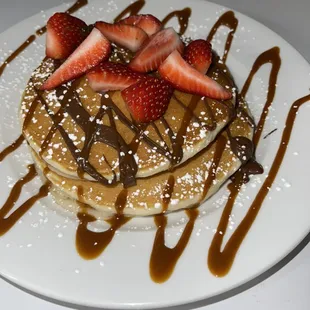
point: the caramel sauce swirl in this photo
(7, 222)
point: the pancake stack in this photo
(96, 155)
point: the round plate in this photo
(39, 252)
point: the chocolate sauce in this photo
(7, 222)
(270, 133)
(220, 261)
(229, 20)
(164, 259)
(90, 244)
(183, 17)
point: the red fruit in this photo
(156, 50)
(149, 23)
(199, 55)
(185, 78)
(127, 36)
(64, 34)
(112, 76)
(94, 49)
(148, 99)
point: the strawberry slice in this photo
(199, 55)
(147, 22)
(156, 50)
(94, 49)
(112, 76)
(127, 36)
(148, 99)
(185, 78)
(64, 34)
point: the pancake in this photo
(59, 125)
(188, 185)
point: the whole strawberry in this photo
(199, 55)
(148, 99)
(64, 34)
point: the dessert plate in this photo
(39, 252)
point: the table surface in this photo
(286, 286)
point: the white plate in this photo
(39, 252)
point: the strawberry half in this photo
(127, 36)
(148, 99)
(149, 23)
(185, 78)
(199, 55)
(112, 76)
(64, 34)
(156, 50)
(94, 49)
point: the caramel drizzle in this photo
(220, 262)
(7, 222)
(183, 17)
(167, 192)
(164, 259)
(132, 9)
(229, 20)
(271, 56)
(90, 244)
(12, 147)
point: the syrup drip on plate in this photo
(7, 222)
(164, 259)
(91, 244)
(229, 20)
(220, 261)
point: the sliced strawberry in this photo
(199, 55)
(127, 36)
(64, 34)
(156, 50)
(112, 76)
(148, 99)
(149, 23)
(94, 49)
(185, 78)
